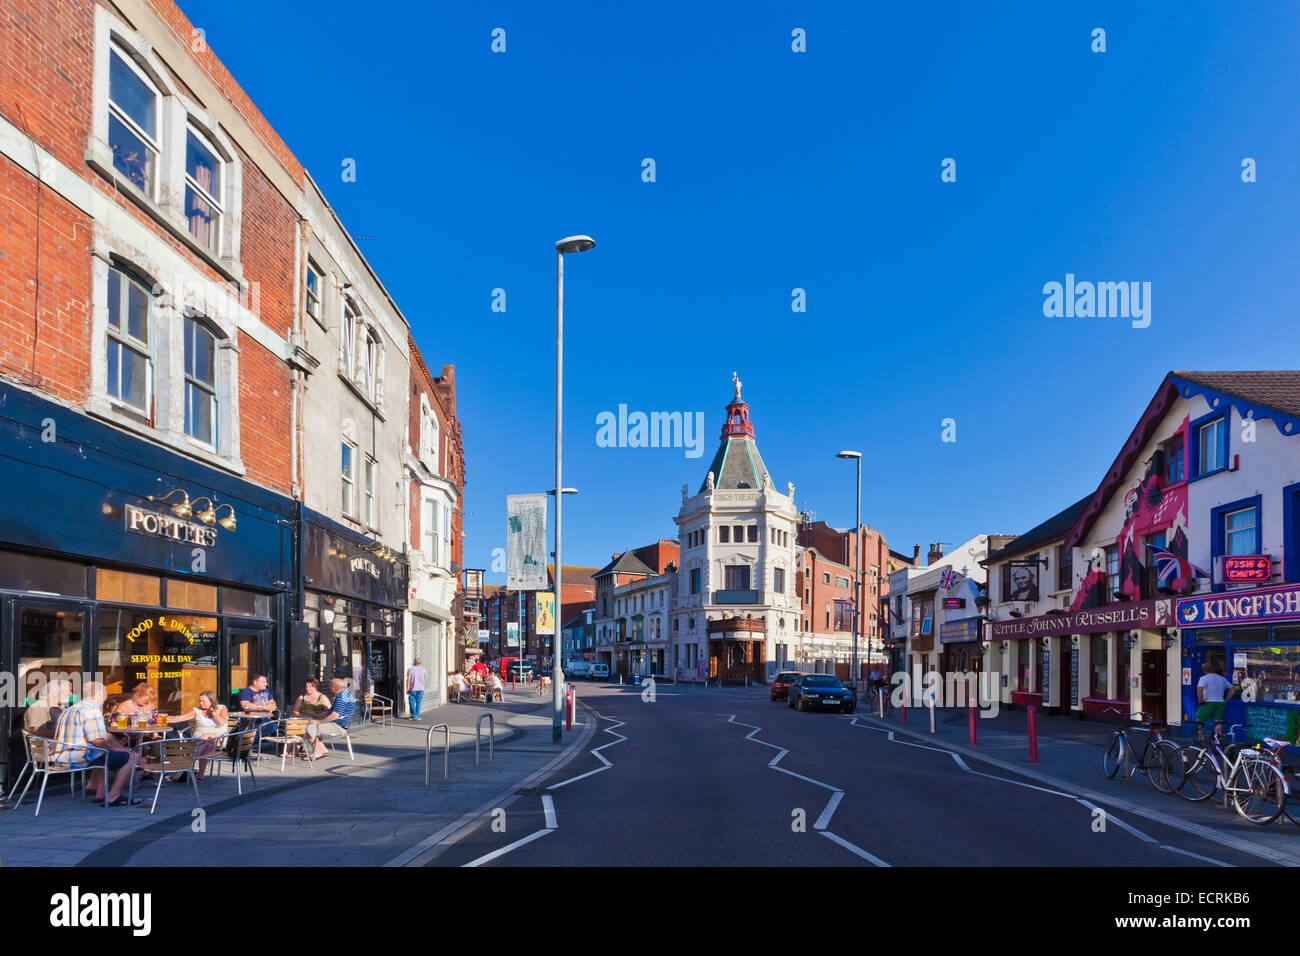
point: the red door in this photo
(1153, 683)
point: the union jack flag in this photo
(1170, 567)
(949, 578)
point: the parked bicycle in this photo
(1149, 758)
(1251, 778)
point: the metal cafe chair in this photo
(347, 739)
(175, 755)
(290, 735)
(379, 707)
(236, 749)
(43, 765)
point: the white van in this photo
(578, 669)
(599, 672)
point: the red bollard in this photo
(904, 720)
(1033, 734)
(568, 711)
(971, 708)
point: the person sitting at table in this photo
(494, 688)
(210, 720)
(479, 671)
(41, 718)
(463, 687)
(139, 704)
(255, 698)
(334, 722)
(311, 703)
(81, 728)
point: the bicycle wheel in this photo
(1193, 773)
(1258, 791)
(1114, 755)
(1156, 764)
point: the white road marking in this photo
(488, 858)
(548, 807)
(1207, 859)
(854, 849)
(1110, 817)
(824, 820)
(597, 754)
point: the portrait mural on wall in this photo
(1149, 509)
(1024, 581)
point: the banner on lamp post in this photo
(525, 542)
(512, 634)
(545, 612)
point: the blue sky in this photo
(816, 170)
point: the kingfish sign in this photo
(1244, 607)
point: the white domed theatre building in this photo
(735, 613)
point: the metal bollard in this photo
(903, 719)
(1033, 734)
(931, 706)
(478, 729)
(428, 748)
(568, 710)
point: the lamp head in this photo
(849, 454)
(209, 514)
(575, 244)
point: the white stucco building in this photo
(736, 610)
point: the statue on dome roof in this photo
(736, 383)
(708, 482)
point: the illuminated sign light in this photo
(953, 604)
(1245, 568)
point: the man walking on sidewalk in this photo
(415, 687)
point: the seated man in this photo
(81, 741)
(256, 699)
(41, 718)
(494, 688)
(335, 722)
(461, 684)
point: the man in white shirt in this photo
(1213, 691)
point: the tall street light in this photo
(857, 573)
(566, 245)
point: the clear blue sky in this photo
(821, 171)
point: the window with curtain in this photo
(1210, 439)
(1239, 531)
(369, 514)
(130, 339)
(203, 192)
(200, 382)
(429, 525)
(737, 577)
(132, 122)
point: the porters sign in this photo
(162, 525)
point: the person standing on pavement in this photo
(1213, 691)
(415, 687)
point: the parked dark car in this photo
(822, 691)
(781, 684)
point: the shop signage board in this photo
(1074, 675)
(1255, 606)
(1113, 617)
(1045, 663)
(1281, 723)
(951, 632)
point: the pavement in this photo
(371, 811)
(711, 776)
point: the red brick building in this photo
(503, 606)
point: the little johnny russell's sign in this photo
(1116, 617)
(162, 525)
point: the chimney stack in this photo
(936, 554)
(916, 553)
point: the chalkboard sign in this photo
(1045, 674)
(1074, 676)
(1280, 723)
(379, 662)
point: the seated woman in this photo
(139, 704)
(311, 704)
(209, 725)
(494, 688)
(461, 684)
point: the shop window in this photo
(122, 587)
(1210, 637)
(27, 572)
(192, 595)
(132, 646)
(245, 660)
(49, 645)
(1288, 634)
(1026, 656)
(246, 603)
(1273, 671)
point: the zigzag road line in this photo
(1109, 817)
(837, 794)
(548, 802)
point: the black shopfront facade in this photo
(124, 562)
(353, 593)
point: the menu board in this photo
(1045, 675)
(378, 662)
(1074, 675)
(1281, 723)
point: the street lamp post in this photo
(857, 563)
(566, 245)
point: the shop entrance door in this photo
(248, 652)
(383, 669)
(1153, 683)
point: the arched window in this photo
(130, 341)
(200, 382)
